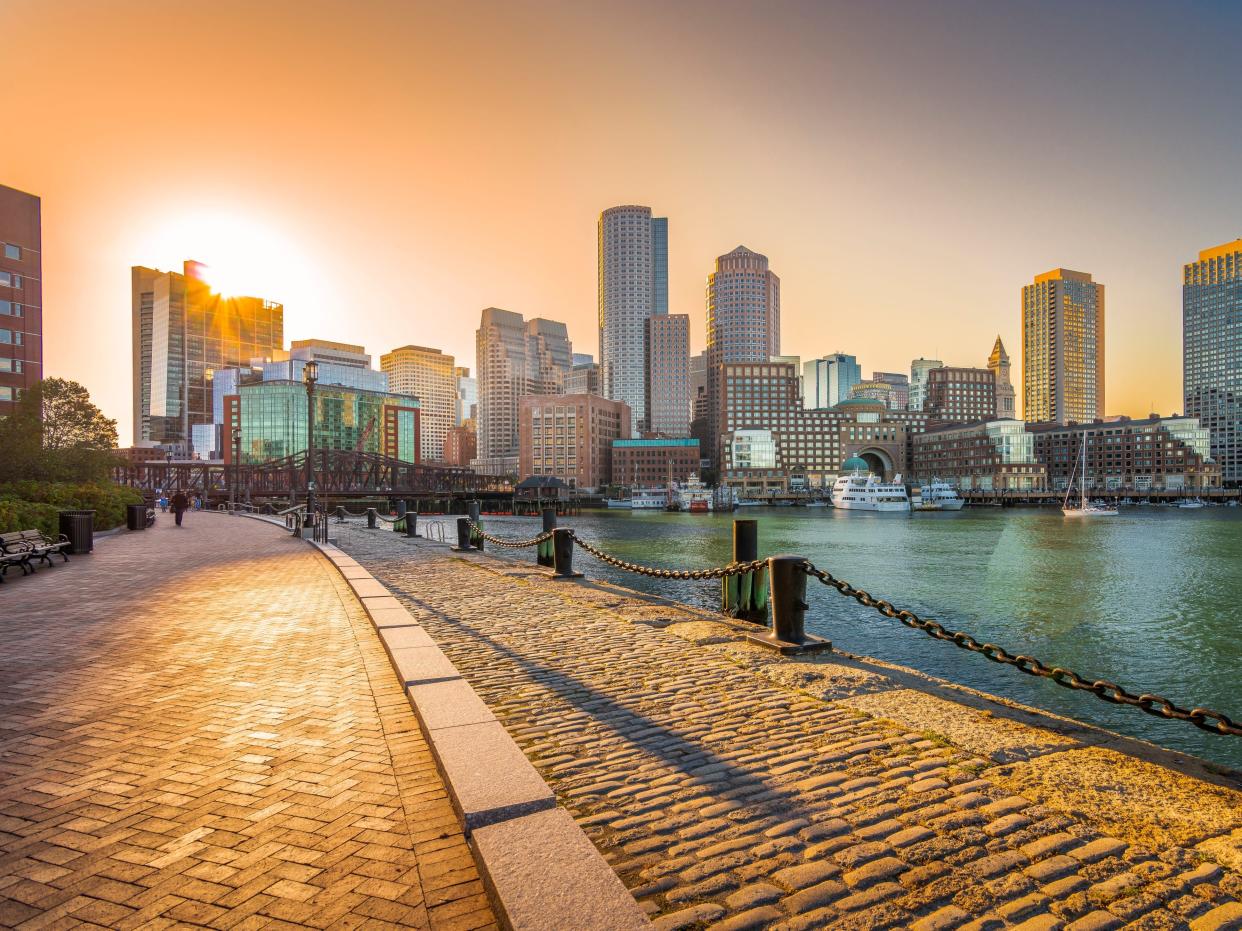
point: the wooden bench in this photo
(14, 551)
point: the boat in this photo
(622, 503)
(817, 504)
(1084, 508)
(938, 496)
(694, 496)
(649, 499)
(859, 490)
(1189, 503)
(749, 503)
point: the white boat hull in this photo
(1089, 512)
(884, 506)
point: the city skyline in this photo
(925, 175)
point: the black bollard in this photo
(563, 554)
(543, 552)
(745, 596)
(788, 635)
(411, 522)
(472, 509)
(400, 509)
(463, 535)
(370, 518)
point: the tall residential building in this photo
(181, 332)
(1063, 348)
(325, 350)
(918, 380)
(21, 295)
(960, 395)
(998, 362)
(633, 285)
(743, 321)
(667, 380)
(569, 436)
(429, 375)
(1212, 351)
(828, 381)
(514, 358)
(467, 395)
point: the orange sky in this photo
(387, 169)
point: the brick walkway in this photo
(726, 797)
(200, 727)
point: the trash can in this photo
(136, 517)
(79, 527)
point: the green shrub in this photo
(28, 504)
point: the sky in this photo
(388, 169)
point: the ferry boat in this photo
(938, 496)
(694, 496)
(649, 499)
(858, 490)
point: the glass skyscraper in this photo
(1212, 352)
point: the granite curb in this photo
(540, 868)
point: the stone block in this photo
(422, 664)
(543, 872)
(373, 603)
(367, 587)
(405, 638)
(392, 617)
(488, 777)
(450, 703)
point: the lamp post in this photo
(236, 467)
(310, 375)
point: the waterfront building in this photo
(998, 363)
(918, 380)
(461, 444)
(467, 395)
(633, 285)
(1063, 348)
(513, 358)
(653, 463)
(828, 381)
(996, 455)
(667, 380)
(21, 295)
(901, 388)
(1152, 454)
(960, 395)
(325, 350)
(875, 390)
(1212, 352)
(272, 416)
(431, 376)
(329, 373)
(181, 331)
(743, 319)
(583, 378)
(569, 436)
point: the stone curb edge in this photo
(540, 869)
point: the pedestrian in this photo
(164, 501)
(179, 504)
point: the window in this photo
(9, 394)
(10, 309)
(11, 365)
(11, 251)
(11, 337)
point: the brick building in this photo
(569, 436)
(960, 395)
(651, 462)
(995, 455)
(461, 444)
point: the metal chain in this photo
(1214, 722)
(512, 544)
(720, 572)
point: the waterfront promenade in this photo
(199, 727)
(732, 789)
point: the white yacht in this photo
(694, 496)
(856, 489)
(649, 499)
(937, 496)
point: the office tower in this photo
(743, 320)
(901, 388)
(324, 350)
(583, 378)
(1063, 348)
(181, 332)
(828, 381)
(667, 380)
(583, 358)
(514, 358)
(918, 380)
(569, 436)
(467, 395)
(429, 375)
(960, 395)
(21, 295)
(1212, 352)
(633, 285)
(998, 362)
(875, 390)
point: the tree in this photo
(56, 434)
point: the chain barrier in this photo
(720, 572)
(1214, 722)
(511, 544)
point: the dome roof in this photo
(855, 464)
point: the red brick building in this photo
(569, 436)
(21, 296)
(461, 444)
(654, 462)
(960, 395)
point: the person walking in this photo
(179, 505)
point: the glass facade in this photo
(330, 373)
(1063, 348)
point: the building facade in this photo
(918, 380)
(874, 390)
(828, 381)
(431, 376)
(998, 364)
(182, 331)
(651, 463)
(326, 350)
(633, 285)
(583, 378)
(1063, 348)
(467, 395)
(997, 455)
(667, 379)
(960, 395)
(569, 437)
(461, 445)
(21, 295)
(901, 387)
(1212, 352)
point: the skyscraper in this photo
(181, 332)
(467, 395)
(667, 386)
(1212, 351)
(828, 381)
(743, 321)
(1063, 348)
(633, 285)
(429, 375)
(918, 380)
(998, 362)
(21, 295)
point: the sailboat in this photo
(1084, 508)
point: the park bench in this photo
(14, 551)
(36, 546)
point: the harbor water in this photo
(1150, 599)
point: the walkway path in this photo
(727, 792)
(199, 726)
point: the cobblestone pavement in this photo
(725, 798)
(200, 727)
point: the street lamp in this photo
(310, 375)
(236, 466)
